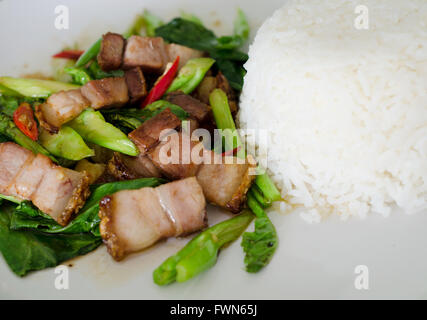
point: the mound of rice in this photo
(346, 108)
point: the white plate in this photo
(312, 261)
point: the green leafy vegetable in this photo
(224, 49)
(25, 251)
(241, 33)
(97, 73)
(151, 22)
(91, 125)
(79, 75)
(201, 252)
(155, 108)
(191, 74)
(260, 244)
(35, 88)
(26, 216)
(191, 17)
(67, 144)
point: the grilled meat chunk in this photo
(185, 53)
(148, 134)
(107, 92)
(58, 192)
(195, 108)
(60, 108)
(175, 157)
(136, 83)
(149, 53)
(111, 53)
(132, 220)
(226, 183)
(124, 167)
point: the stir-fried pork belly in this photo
(12, 159)
(185, 53)
(176, 156)
(132, 220)
(135, 81)
(111, 53)
(195, 108)
(58, 192)
(148, 134)
(226, 181)
(60, 108)
(107, 92)
(124, 167)
(149, 53)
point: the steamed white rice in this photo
(346, 108)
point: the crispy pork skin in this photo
(61, 193)
(132, 220)
(57, 191)
(60, 108)
(147, 135)
(149, 53)
(185, 53)
(107, 92)
(136, 83)
(111, 53)
(195, 108)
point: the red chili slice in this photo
(69, 54)
(162, 85)
(24, 120)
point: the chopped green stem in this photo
(201, 252)
(91, 125)
(267, 187)
(224, 121)
(257, 194)
(67, 143)
(191, 74)
(35, 88)
(89, 54)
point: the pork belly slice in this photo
(195, 108)
(61, 193)
(58, 192)
(147, 135)
(124, 167)
(136, 83)
(12, 159)
(132, 220)
(107, 92)
(30, 176)
(184, 53)
(185, 204)
(149, 53)
(60, 108)
(177, 157)
(225, 184)
(110, 55)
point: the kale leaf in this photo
(224, 49)
(25, 251)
